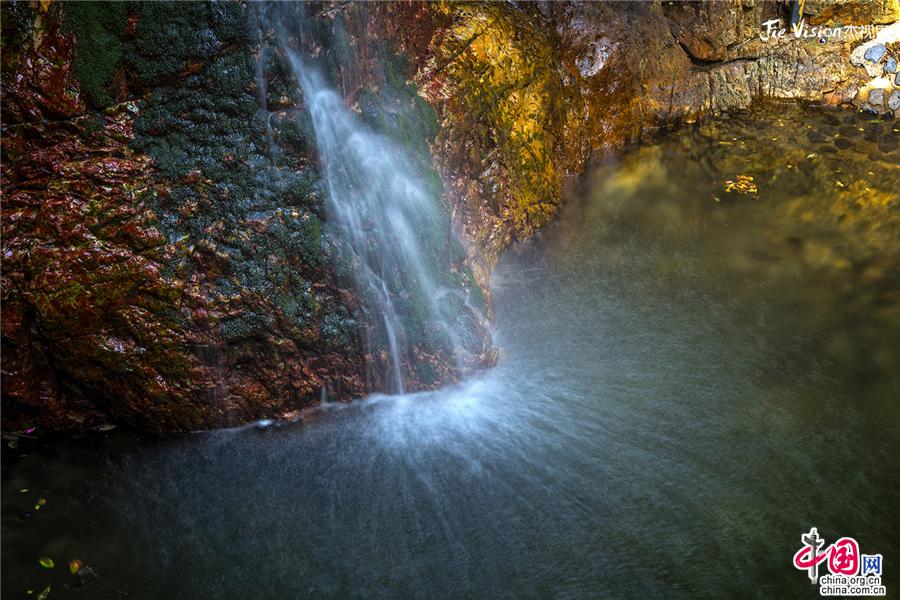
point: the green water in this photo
(689, 379)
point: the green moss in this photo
(339, 329)
(170, 34)
(204, 123)
(280, 80)
(98, 50)
(244, 326)
(296, 132)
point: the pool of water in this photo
(692, 374)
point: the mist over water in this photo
(669, 413)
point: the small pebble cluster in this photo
(882, 95)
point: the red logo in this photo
(842, 555)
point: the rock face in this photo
(525, 94)
(160, 268)
(166, 260)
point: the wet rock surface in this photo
(526, 93)
(166, 255)
(159, 267)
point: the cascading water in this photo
(397, 235)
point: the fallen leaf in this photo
(44, 594)
(74, 565)
(742, 185)
(47, 563)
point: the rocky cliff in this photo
(166, 261)
(160, 267)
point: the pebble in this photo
(888, 145)
(875, 53)
(891, 65)
(872, 132)
(815, 137)
(843, 143)
(894, 100)
(876, 97)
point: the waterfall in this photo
(397, 233)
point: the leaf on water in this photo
(106, 427)
(44, 593)
(74, 565)
(23, 491)
(46, 562)
(42, 501)
(742, 185)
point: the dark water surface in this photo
(690, 378)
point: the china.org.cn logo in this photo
(850, 573)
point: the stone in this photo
(891, 65)
(875, 53)
(894, 100)
(876, 97)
